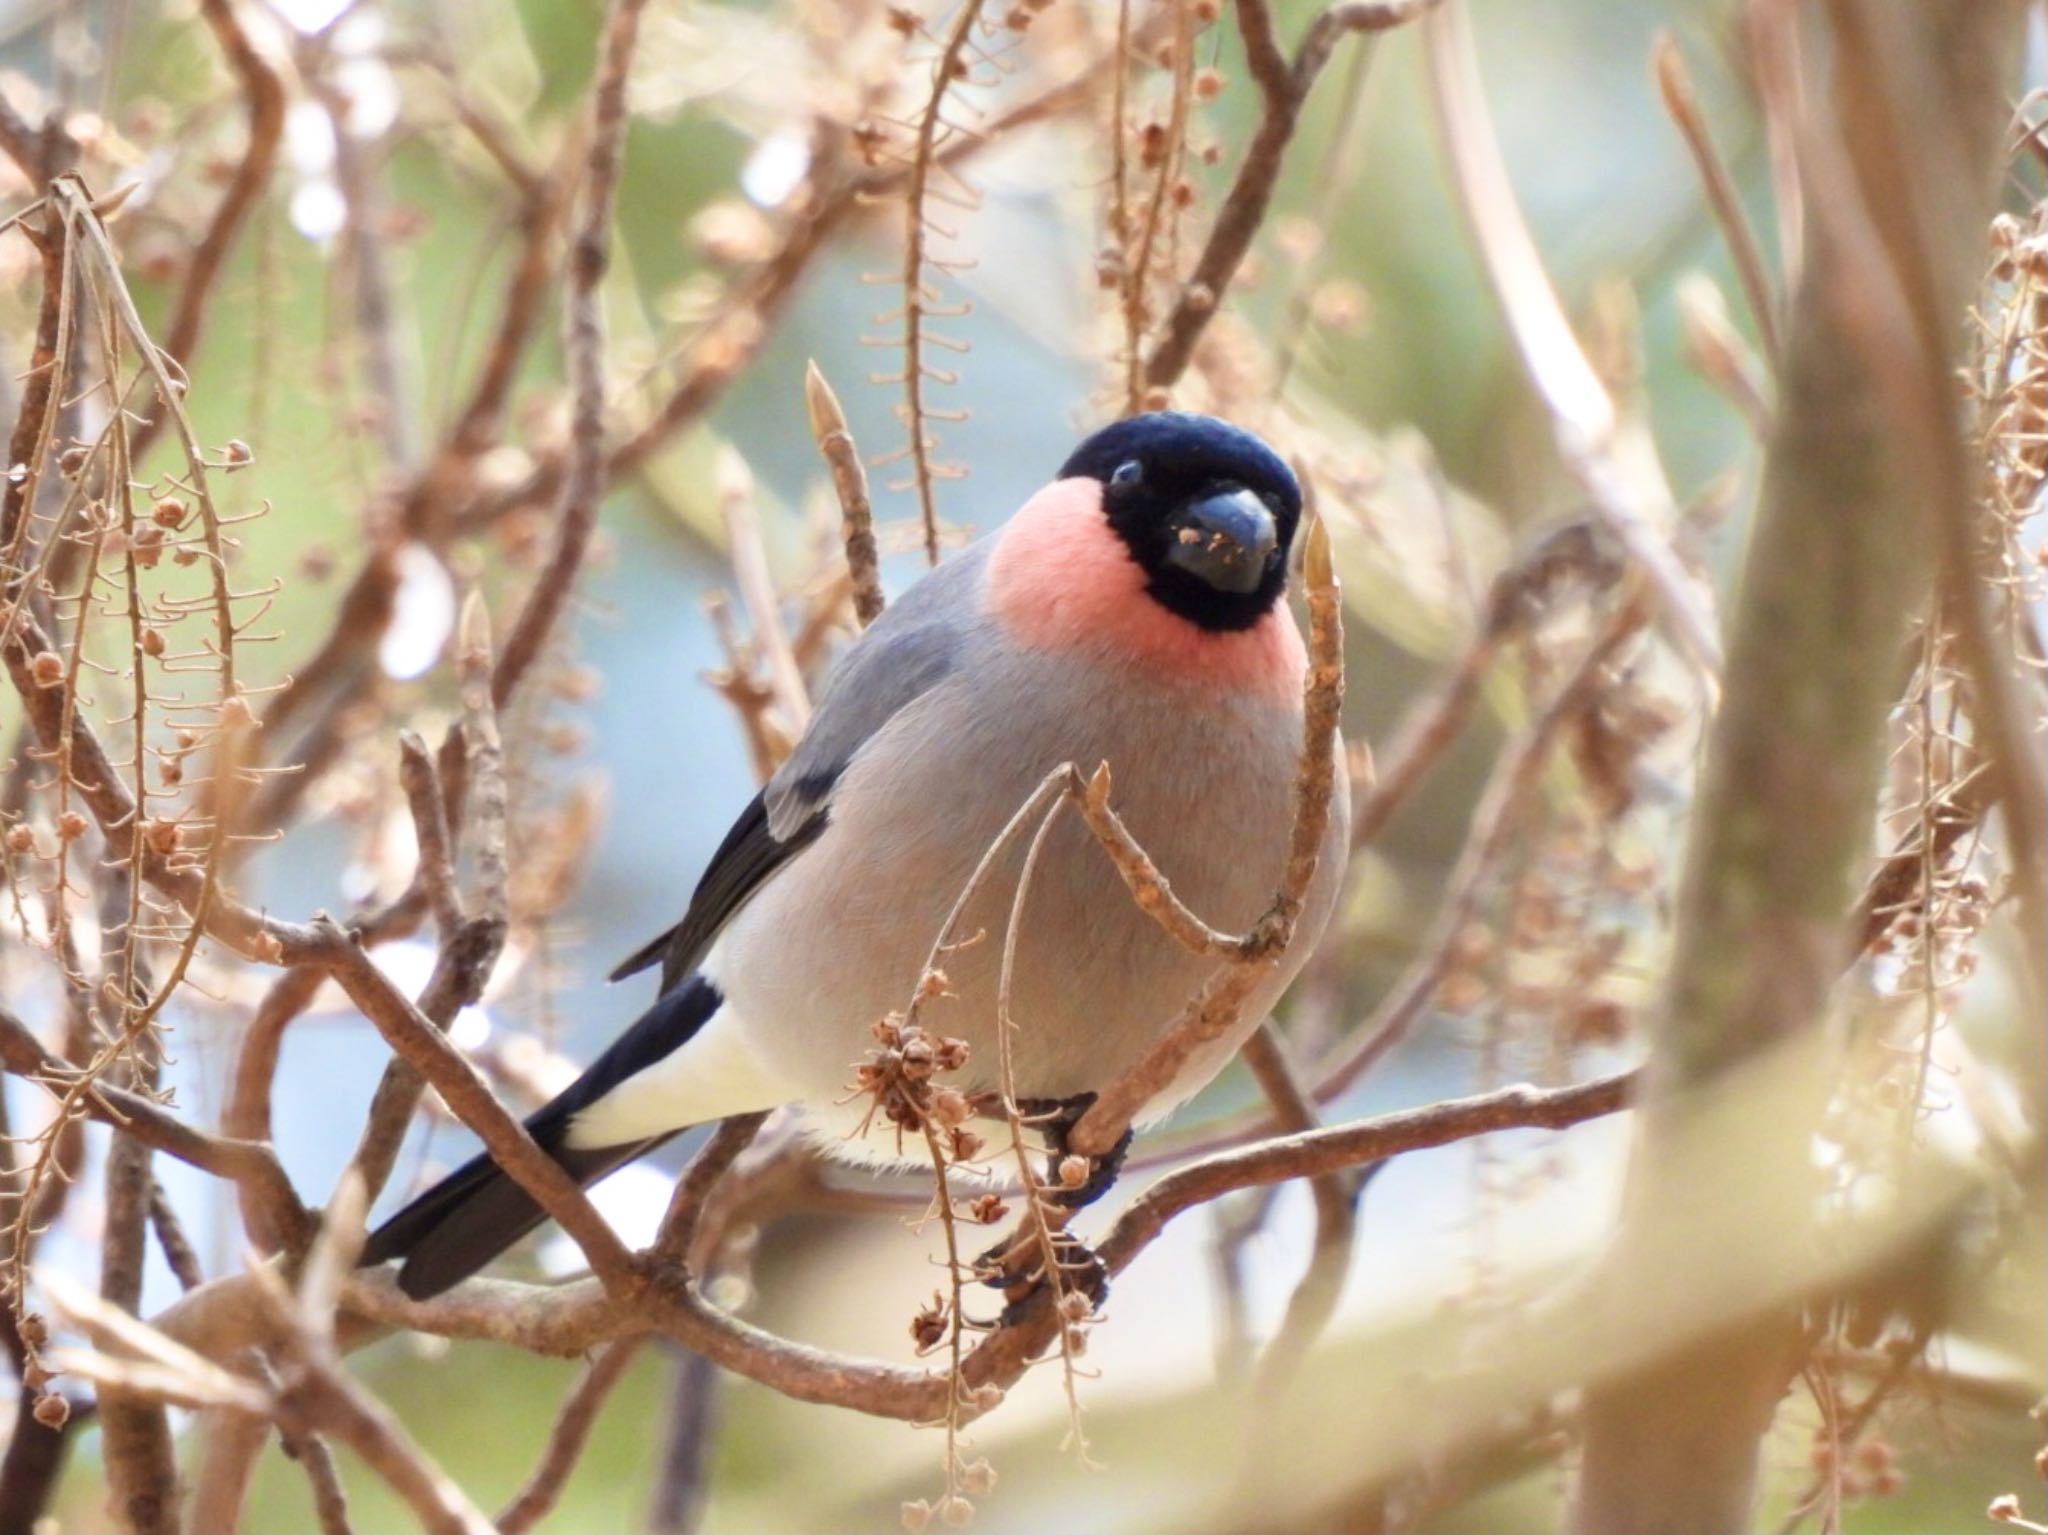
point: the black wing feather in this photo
(744, 860)
(903, 655)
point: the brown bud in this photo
(147, 546)
(161, 835)
(988, 1209)
(152, 642)
(170, 512)
(1073, 1172)
(950, 1108)
(72, 461)
(1208, 84)
(70, 826)
(928, 1327)
(21, 838)
(52, 1411)
(47, 668)
(237, 454)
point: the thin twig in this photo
(850, 484)
(1613, 460)
(1214, 1009)
(584, 340)
(919, 302)
(735, 488)
(1493, 826)
(263, 92)
(1283, 90)
(566, 1441)
(1681, 102)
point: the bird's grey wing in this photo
(907, 650)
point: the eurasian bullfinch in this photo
(1131, 613)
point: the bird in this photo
(1132, 613)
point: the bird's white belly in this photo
(843, 937)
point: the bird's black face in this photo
(1206, 509)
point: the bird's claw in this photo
(1081, 1273)
(1055, 1119)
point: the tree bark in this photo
(1901, 152)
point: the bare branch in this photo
(1283, 90)
(590, 255)
(1612, 459)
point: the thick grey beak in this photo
(1227, 540)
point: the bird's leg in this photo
(1015, 1265)
(1055, 1119)
(1081, 1271)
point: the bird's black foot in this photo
(1081, 1273)
(1055, 1119)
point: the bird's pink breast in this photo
(1059, 578)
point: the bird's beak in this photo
(1227, 539)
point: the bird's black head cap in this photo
(1206, 509)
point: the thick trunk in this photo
(1900, 153)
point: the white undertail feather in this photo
(716, 1074)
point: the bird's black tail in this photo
(472, 1215)
(476, 1212)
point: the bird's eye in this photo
(1127, 474)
